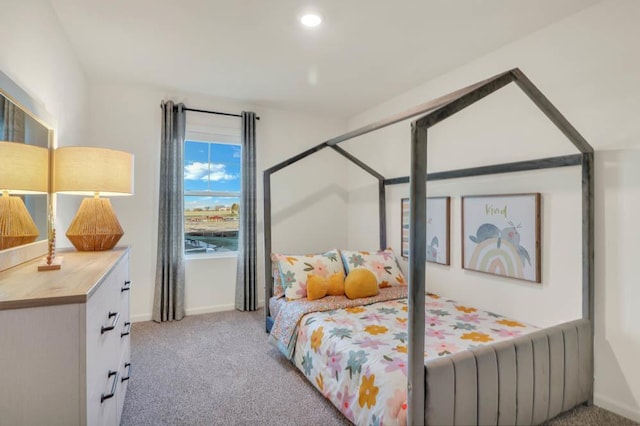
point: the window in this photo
(212, 172)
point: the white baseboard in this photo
(617, 407)
(140, 317)
(195, 311)
(209, 309)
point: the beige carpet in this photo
(218, 369)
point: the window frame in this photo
(210, 135)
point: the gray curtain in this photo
(246, 295)
(168, 303)
(12, 121)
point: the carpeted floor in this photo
(218, 369)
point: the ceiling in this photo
(255, 51)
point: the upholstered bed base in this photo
(522, 381)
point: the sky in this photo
(211, 167)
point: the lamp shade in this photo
(88, 170)
(24, 169)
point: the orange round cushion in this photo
(316, 287)
(336, 284)
(360, 283)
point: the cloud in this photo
(207, 171)
(237, 153)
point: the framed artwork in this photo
(501, 235)
(438, 229)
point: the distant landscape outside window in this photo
(212, 196)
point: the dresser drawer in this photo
(125, 375)
(123, 288)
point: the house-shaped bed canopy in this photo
(430, 114)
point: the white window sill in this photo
(219, 255)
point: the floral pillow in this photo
(295, 269)
(383, 264)
(278, 289)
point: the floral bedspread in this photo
(284, 331)
(357, 357)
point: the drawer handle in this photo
(126, 287)
(113, 386)
(127, 365)
(116, 317)
(127, 326)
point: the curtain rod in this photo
(215, 112)
(205, 111)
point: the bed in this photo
(524, 379)
(354, 352)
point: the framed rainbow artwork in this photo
(501, 235)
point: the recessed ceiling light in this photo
(311, 20)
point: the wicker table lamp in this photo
(93, 171)
(24, 169)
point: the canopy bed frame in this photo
(526, 380)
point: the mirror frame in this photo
(9, 89)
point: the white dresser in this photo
(64, 341)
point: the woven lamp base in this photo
(16, 225)
(95, 226)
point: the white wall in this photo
(36, 54)
(585, 65)
(499, 129)
(309, 205)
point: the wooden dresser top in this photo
(81, 274)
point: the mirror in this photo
(22, 120)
